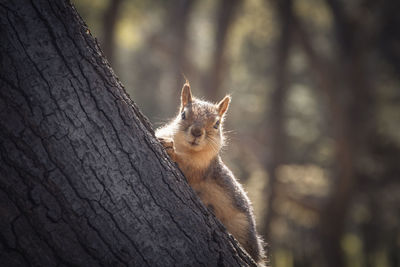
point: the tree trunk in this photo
(350, 108)
(226, 12)
(83, 182)
(109, 26)
(351, 125)
(179, 19)
(276, 132)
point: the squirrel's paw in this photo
(168, 145)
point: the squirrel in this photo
(193, 140)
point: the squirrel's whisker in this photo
(205, 171)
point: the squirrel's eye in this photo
(216, 125)
(183, 115)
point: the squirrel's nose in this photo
(196, 131)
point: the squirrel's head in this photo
(200, 123)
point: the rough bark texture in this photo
(83, 182)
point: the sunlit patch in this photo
(126, 34)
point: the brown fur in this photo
(194, 140)
(223, 207)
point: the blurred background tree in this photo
(315, 112)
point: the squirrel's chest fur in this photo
(214, 185)
(193, 140)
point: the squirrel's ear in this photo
(186, 96)
(223, 105)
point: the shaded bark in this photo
(83, 182)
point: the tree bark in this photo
(83, 181)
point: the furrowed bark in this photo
(83, 181)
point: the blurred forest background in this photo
(314, 125)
